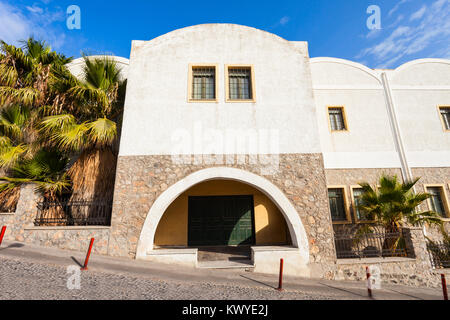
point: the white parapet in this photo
(185, 257)
(267, 260)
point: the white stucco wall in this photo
(419, 87)
(156, 106)
(76, 66)
(368, 143)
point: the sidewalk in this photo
(182, 278)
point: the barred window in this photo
(203, 83)
(445, 114)
(337, 204)
(337, 120)
(437, 204)
(240, 83)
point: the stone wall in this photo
(413, 271)
(20, 227)
(141, 179)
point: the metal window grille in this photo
(445, 113)
(436, 200)
(240, 83)
(337, 207)
(439, 254)
(73, 213)
(336, 119)
(370, 245)
(204, 83)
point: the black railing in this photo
(370, 245)
(439, 254)
(74, 213)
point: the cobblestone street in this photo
(41, 273)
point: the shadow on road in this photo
(265, 284)
(356, 294)
(13, 245)
(76, 261)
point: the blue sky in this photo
(410, 29)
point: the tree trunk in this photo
(93, 176)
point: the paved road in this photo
(40, 273)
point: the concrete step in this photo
(224, 253)
(237, 264)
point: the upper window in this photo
(337, 119)
(336, 197)
(240, 85)
(445, 116)
(437, 200)
(203, 86)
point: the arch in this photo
(420, 61)
(76, 65)
(293, 221)
(349, 63)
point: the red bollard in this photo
(2, 234)
(87, 255)
(369, 286)
(280, 279)
(444, 287)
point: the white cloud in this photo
(418, 14)
(17, 24)
(428, 31)
(284, 20)
(396, 7)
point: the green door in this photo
(221, 221)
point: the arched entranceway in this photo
(294, 225)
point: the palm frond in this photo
(102, 131)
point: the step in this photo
(235, 264)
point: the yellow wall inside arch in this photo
(270, 225)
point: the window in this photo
(336, 197)
(437, 199)
(203, 84)
(445, 117)
(359, 214)
(240, 85)
(337, 119)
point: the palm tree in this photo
(90, 129)
(25, 91)
(392, 204)
(46, 169)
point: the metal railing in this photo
(73, 213)
(439, 254)
(370, 245)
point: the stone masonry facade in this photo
(141, 179)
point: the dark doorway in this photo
(221, 221)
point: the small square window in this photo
(203, 84)
(437, 200)
(337, 119)
(445, 116)
(240, 86)
(337, 204)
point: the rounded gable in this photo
(428, 72)
(76, 66)
(341, 72)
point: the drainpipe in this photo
(406, 170)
